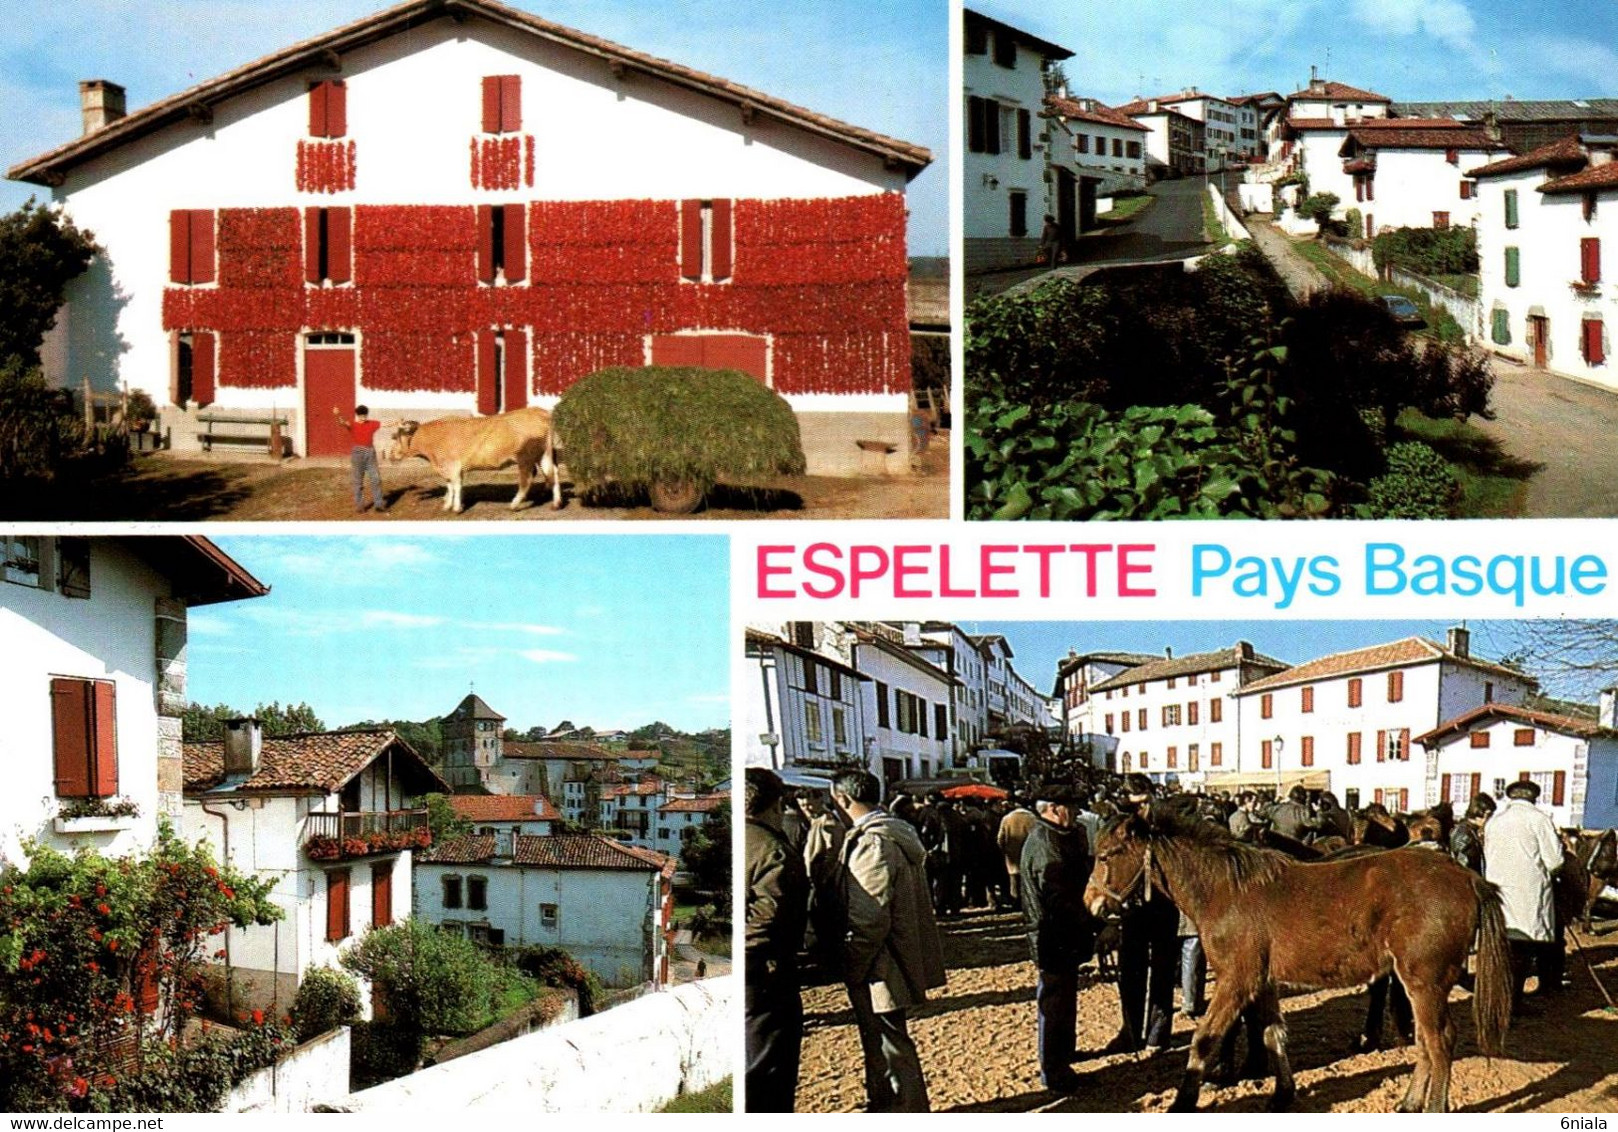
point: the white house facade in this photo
(391, 213)
(333, 818)
(1004, 161)
(947, 647)
(679, 818)
(804, 699)
(606, 904)
(1347, 722)
(1414, 177)
(906, 705)
(1547, 233)
(1175, 144)
(94, 666)
(1098, 145)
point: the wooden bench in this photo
(271, 438)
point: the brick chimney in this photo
(1244, 650)
(1460, 642)
(102, 103)
(244, 742)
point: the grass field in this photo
(1493, 484)
(715, 1098)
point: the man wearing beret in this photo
(1054, 867)
(1520, 853)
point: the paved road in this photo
(1566, 428)
(1170, 229)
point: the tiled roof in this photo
(1595, 177)
(299, 57)
(1164, 667)
(473, 707)
(1334, 91)
(1514, 110)
(1461, 724)
(1396, 654)
(1106, 116)
(299, 763)
(571, 752)
(640, 788)
(1410, 124)
(1385, 137)
(467, 850)
(1564, 151)
(1142, 108)
(1301, 124)
(692, 805)
(504, 807)
(558, 851)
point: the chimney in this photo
(1460, 641)
(1600, 157)
(1491, 125)
(1168, 652)
(502, 843)
(244, 742)
(1317, 85)
(912, 632)
(1608, 716)
(1152, 105)
(102, 103)
(1244, 650)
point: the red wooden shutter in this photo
(1308, 750)
(1266, 705)
(516, 370)
(1381, 746)
(1590, 256)
(1404, 743)
(485, 243)
(1216, 754)
(202, 367)
(382, 895)
(104, 751)
(317, 110)
(516, 243)
(1524, 776)
(691, 239)
(311, 245)
(337, 905)
(339, 244)
(1379, 798)
(202, 245)
(1354, 692)
(510, 103)
(1443, 788)
(1404, 800)
(487, 378)
(1268, 753)
(1594, 353)
(336, 108)
(491, 104)
(1558, 787)
(1353, 748)
(179, 246)
(721, 240)
(1477, 785)
(70, 719)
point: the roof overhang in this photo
(202, 574)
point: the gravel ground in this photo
(977, 1046)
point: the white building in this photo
(949, 648)
(1413, 177)
(607, 904)
(1174, 718)
(804, 704)
(394, 213)
(1345, 722)
(94, 672)
(1574, 761)
(1005, 157)
(1221, 124)
(566, 769)
(1542, 256)
(332, 818)
(1103, 149)
(1076, 674)
(906, 706)
(679, 818)
(1175, 145)
(1311, 133)
(530, 814)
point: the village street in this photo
(976, 1040)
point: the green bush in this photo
(325, 1000)
(1319, 208)
(553, 967)
(1419, 484)
(1429, 251)
(427, 980)
(38, 428)
(663, 424)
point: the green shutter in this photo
(1511, 208)
(1513, 267)
(1502, 326)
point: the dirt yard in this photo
(977, 1045)
(163, 486)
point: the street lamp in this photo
(1280, 745)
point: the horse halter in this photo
(1144, 875)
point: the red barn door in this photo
(328, 383)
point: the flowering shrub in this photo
(325, 999)
(89, 949)
(99, 808)
(825, 278)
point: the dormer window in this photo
(328, 109)
(502, 104)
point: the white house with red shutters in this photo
(1573, 760)
(332, 817)
(395, 213)
(1347, 722)
(1414, 176)
(1547, 231)
(94, 672)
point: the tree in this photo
(40, 253)
(1577, 658)
(1319, 209)
(443, 821)
(707, 856)
(202, 724)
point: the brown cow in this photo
(457, 445)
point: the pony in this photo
(1268, 921)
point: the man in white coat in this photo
(1520, 853)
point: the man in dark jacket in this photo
(1148, 951)
(1054, 866)
(1292, 818)
(1466, 839)
(777, 911)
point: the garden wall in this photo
(635, 1058)
(1234, 227)
(316, 1069)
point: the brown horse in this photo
(1268, 921)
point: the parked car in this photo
(1404, 312)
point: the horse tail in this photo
(1491, 999)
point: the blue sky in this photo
(1411, 50)
(1039, 646)
(881, 66)
(608, 630)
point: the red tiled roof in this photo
(504, 807)
(1106, 116)
(1142, 108)
(1461, 724)
(639, 788)
(1333, 91)
(1396, 654)
(1164, 667)
(467, 850)
(1595, 177)
(571, 752)
(558, 851)
(1301, 124)
(665, 864)
(1385, 137)
(692, 805)
(300, 763)
(1564, 151)
(297, 58)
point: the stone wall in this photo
(318, 1068)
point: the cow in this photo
(457, 445)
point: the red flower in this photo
(103, 909)
(258, 1017)
(101, 890)
(112, 945)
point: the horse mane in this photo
(1217, 855)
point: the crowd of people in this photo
(863, 887)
